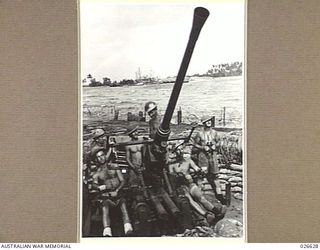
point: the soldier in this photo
(152, 110)
(98, 139)
(109, 181)
(137, 186)
(155, 170)
(134, 158)
(183, 166)
(205, 142)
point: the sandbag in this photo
(223, 176)
(236, 189)
(235, 179)
(238, 196)
(224, 171)
(236, 167)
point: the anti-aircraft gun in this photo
(159, 144)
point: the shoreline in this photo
(169, 83)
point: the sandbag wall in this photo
(233, 175)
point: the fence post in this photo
(179, 116)
(224, 116)
(89, 111)
(116, 114)
(213, 121)
(129, 116)
(142, 118)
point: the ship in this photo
(145, 79)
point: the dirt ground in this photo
(235, 210)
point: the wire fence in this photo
(224, 117)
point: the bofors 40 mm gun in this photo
(158, 145)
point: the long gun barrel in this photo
(200, 16)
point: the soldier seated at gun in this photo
(90, 196)
(155, 174)
(183, 169)
(108, 180)
(205, 147)
(137, 185)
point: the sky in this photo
(118, 39)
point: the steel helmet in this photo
(205, 119)
(149, 106)
(131, 130)
(98, 133)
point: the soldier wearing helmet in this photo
(205, 143)
(108, 180)
(154, 169)
(152, 110)
(149, 107)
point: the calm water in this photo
(198, 97)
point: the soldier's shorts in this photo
(113, 201)
(212, 162)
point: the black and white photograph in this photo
(162, 119)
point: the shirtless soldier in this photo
(205, 142)
(183, 166)
(134, 159)
(137, 185)
(109, 181)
